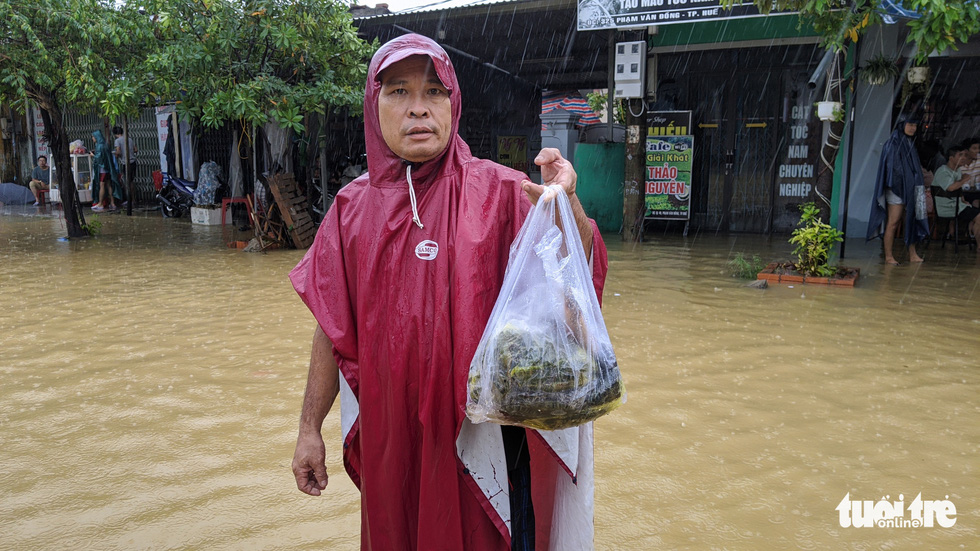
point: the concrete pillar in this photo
(872, 127)
(558, 131)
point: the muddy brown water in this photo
(152, 379)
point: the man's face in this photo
(42, 162)
(960, 159)
(910, 128)
(974, 151)
(414, 110)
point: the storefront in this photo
(755, 139)
(750, 83)
(948, 102)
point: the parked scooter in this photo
(176, 196)
(341, 176)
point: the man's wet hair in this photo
(117, 130)
(39, 157)
(954, 149)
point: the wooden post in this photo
(324, 172)
(634, 186)
(255, 165)
(611, 83)
(129, 177)
(177, 159)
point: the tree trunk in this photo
(634, 186)
(57, 138)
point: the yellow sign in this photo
(669, 130)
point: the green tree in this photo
(252, 61)
(61, 53)
(942, 23)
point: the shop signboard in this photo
(613, 14)
(669, 159)
(512, 152)
(40, 144)
(798, 159)
(162, 113)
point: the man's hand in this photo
(555, 169)
(309, 463)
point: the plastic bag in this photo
(921, 209)
(207, 184)
(545, 360)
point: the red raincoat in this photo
(405, 308)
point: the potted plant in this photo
(879, 70)
(830, 111)
(918, 74)
(814, 241)
(917, 82)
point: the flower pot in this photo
(827, 110)
(599, 133)
(877, 80)
(777, 272)
(918, 75)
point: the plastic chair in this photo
(943, 222)
(225, 202)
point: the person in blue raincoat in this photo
(106, 193)
(899, 195)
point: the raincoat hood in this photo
(385, 167)
(100, 143)
(902, 121)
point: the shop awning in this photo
(570, 101)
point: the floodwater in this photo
(152, 381)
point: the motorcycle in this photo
(341, 176)
(176, 196)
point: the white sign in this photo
(162, 114)
(40, 144)
(891, 514)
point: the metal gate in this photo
(143, 132)
(735, 97)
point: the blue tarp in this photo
(15, 194)
(893, 11)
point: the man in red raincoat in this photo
(401, 279)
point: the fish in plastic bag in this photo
(545, 360)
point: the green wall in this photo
(601, 170)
